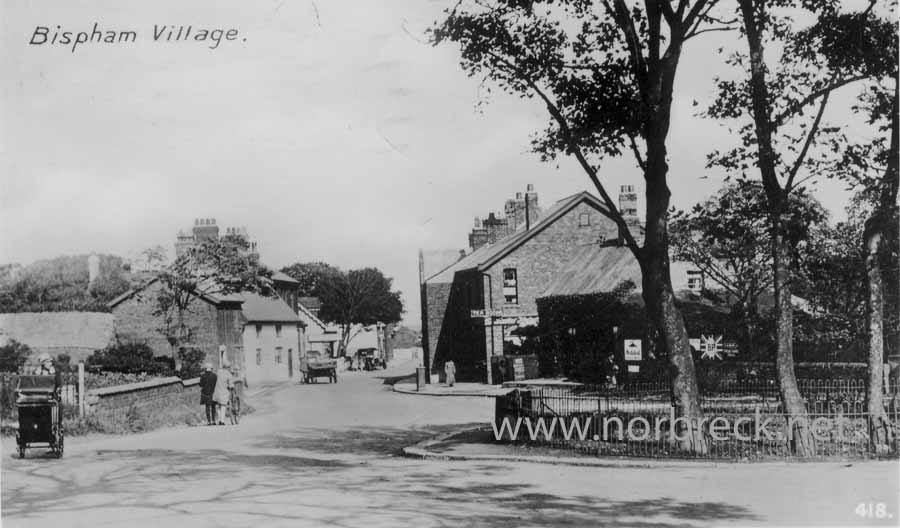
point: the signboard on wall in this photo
(632, 350)
(634, 368)
(518, 369)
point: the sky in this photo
(330, 130)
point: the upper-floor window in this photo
(277, 354)
(259, 356)
(510, 286)
(258, 330)
(584, 219)
(278, 330)
(695, 281)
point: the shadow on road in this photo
(356, 440)
(213, 482)
(391, 380)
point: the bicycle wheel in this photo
(235, 411)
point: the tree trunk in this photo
(802, 441)
(660, 301)
(776, 201)
(879, 426)
(881, 431)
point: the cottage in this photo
(271, 339)
(213, 321)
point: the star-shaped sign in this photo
(710, 345)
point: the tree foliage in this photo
(728, 238)
(358, 297)
(213, 267)
(311, 276)
(62, 284)
(13, 356)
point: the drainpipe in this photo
(491, 307)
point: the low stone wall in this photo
(144, 396)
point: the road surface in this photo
(328, 455)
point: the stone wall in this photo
(144, 396)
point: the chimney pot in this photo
(518, 196)
(477, 222)
(530, 187)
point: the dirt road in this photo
(328, 455)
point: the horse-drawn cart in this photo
(313, 368)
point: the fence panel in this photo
(743, 420)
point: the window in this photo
(584, 219)
(258, 330)
(510, 286)
(277, 354)
(259, 356)
(695, 281)
(278, 330)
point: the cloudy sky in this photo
(330, 130)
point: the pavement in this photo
(331, 455)
(458, 389)
(408, 386)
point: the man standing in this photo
(207, 387)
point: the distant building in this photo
(206, 229)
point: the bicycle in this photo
(234, 406)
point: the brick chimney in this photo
(479, 235)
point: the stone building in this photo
(272, 339)
(213, 321)
(470, 307)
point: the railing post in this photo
(81, 392)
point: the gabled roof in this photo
(279, 276)
(315, 320)
(212, 298)
(259, 309)
(486, 256)
(311, 303)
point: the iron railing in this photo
(744, 421)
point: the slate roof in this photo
(310, 303)
(283, 277)
(485, 256)
(93, 330)
(259, 309)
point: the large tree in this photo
(728, 238)
(605, 71)
(871, 167)
(311, 276)
(780, 142)
(360, 298)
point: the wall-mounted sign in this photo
(632, 350)
(486, 312)
(710, 347)
(729, 349)
(634, 368)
